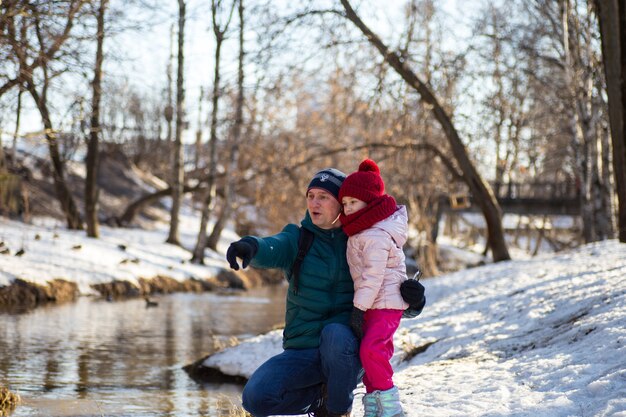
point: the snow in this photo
(52, 252)
(544, 336)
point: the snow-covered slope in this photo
(538, 337)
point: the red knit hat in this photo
(365, 184)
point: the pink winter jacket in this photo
(377, 265)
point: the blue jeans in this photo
(291, 382)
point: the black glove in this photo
(245, 249)
(412, 292)
(356, 322)
(414, 310)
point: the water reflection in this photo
(95, 358)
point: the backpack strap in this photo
(305, 240)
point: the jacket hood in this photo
(396, 225)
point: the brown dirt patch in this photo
(22, 294)
(167, 285)
(117, 289)
(156, 285)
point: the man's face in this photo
(323, 208)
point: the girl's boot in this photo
(389, 403)
(370, 405)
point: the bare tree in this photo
(546, 113)
(178, 173)
(480, 189)
(505, 114)
(581, 68)
(229, 184)
(219, 31)
(30, 21)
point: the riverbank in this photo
(43, 263)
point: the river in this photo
(94, 358)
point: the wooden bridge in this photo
(535, 198)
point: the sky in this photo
(540, 337)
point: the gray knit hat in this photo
(329, 179)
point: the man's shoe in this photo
(322, 411)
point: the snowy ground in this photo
(538, 337)
(51, 251)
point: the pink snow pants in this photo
(377, 348)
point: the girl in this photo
(377, 229)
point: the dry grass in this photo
(8, 401)
(232, 410)
(238, 412)
(224, 407)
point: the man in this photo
(319, 367)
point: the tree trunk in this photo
(136, 206)
(612, 20)
(178, 174)
(18, 116)
(201, 243)
(621, 12)
(606, 193)
(426, 252)
(64, 195)
(198, 144)
(91, 183)
(229, 186)
(3, 162)
(169, 107)
(481, 191)
(214, 238)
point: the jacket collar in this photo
(323, 233)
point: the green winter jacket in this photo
(325, 288)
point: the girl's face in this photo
(352, 205)
(323, 208)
